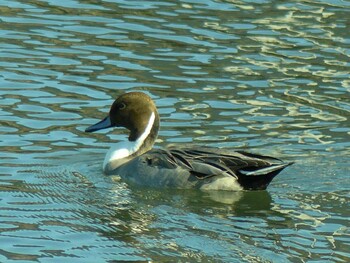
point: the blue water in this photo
(269, 77)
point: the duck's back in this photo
(202, 167)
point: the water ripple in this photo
(267, 77)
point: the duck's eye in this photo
(121, 106)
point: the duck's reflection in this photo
(158, 221)
(145, 205)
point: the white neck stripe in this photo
(147, 131)
(124, 149)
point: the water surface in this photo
(269, 77)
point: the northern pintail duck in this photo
(206, 168)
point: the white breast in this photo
(124, 149)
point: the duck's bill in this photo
(104, 124)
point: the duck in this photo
(137, 162)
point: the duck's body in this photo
(197, 167)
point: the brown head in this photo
(133, 111)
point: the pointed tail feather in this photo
(259, 179)
(265, 170)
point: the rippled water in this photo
(271, 77)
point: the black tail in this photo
(257, 178)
